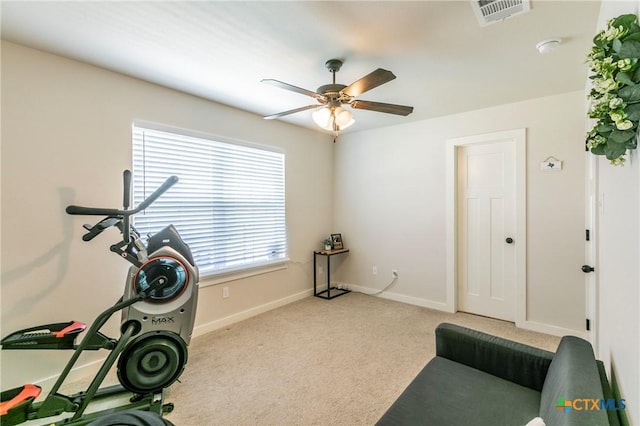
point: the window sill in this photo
(220, 278)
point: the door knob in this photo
(586, 269)
(509, 240)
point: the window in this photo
(229, 203)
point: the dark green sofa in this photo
(479, 379)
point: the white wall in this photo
(618, 263)
(66, 138)
(390, 206)
(619, 277)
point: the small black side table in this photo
(326, 294)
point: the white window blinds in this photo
(229, 203)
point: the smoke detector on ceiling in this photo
(548, 46)
(492, 11)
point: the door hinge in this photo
(587, 235)
(588, 324)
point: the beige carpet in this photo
(316, 362)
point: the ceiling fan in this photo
(330, 114)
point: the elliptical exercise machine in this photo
(157, 317)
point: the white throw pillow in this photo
(536, 422)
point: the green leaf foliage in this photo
(625, 21)
(634, 36)
(614, 62)
(621, 136)
(633, 112)
(625, 78)
(616, 45)
(630, 49)
(630, 93)
(605, 128)
(614, 150)
(598, 150)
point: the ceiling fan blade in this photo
(293, 88)
(368, 82)
(382, 107)
(291, 111)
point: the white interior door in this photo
(486, 229)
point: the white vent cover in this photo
(492, 11)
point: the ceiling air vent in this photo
(492, 11)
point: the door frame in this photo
(592, 209)
(518, 137)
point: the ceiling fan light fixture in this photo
(330, 115)
(326, 116)
(322, 117)
(344, 118)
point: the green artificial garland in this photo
(615, 92)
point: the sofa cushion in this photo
(449, 393)
(573, 374)
(509, 360)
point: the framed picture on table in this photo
(336, 240)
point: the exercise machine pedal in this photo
(60, 335)
(15, 403)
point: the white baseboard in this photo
(442, 306)
(199, 330)
(425, 303)
(76, 374)
(91, 369)
(551, 329)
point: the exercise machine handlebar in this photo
(121, 218)
(126, 175)
(98, 211)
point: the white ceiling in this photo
(445, 62)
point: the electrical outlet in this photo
(394, 273)
(225, 292)
(374, 270)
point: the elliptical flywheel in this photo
(152, 361)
